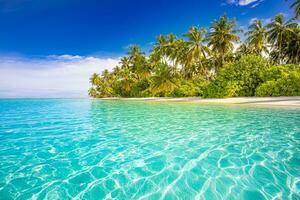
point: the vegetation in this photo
(280, 81)
(239, 78)
(207, 64)
(296, 6)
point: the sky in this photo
(50, 48)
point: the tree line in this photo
(206, 63)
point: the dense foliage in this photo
(280, 81)
(206, 64)
(239, 78)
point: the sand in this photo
(271, 101)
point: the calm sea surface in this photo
(93, 149)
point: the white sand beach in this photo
(270, 101)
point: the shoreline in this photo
(265, 101)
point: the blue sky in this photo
(39, 28)
(51, 34)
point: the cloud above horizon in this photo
(53, 76)
(265, 21)
(242, 2)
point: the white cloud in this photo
(241, 2)
(53, 76)
(265, 21)
(252, 20)
(246, 2)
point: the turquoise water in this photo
(92, 149)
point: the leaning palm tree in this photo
(278, 31)
(257, 37)
(296, 6)
(222, 36)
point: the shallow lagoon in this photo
(93, 149)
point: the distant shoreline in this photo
(269, 101)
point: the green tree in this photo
(93, 92)
(222, 37)
(138, 62)
(239, 78)
(195, 52)
(257, 38)
(159, 51)
(95, 79)
(186, 66)
(126, 74)
(242, 50)
(283, 80)
(125, 62)
(164, 81)
(278, 32)
(292, 47)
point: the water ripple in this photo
(91, 149)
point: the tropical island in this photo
(211, 63)
(163, 124)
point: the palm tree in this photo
(178, 53)
(222, 36)
(93, 92)
(257, 37)
(164, 80)
(171, 47)
(167, 50)
(134, 52)
(296, 6)
(244, 49)
(105, 89)
(196, 51)
(106, 75)
(116, 72)
(291, 50)
(125, 62)
(95, 79)
(138, 62)
(158, 52)
(127, 80)
(126, 74)
(196, 48)
(278, 31)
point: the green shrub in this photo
(281, 80)
(191, 88)
(239, 78)
(186, 89)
